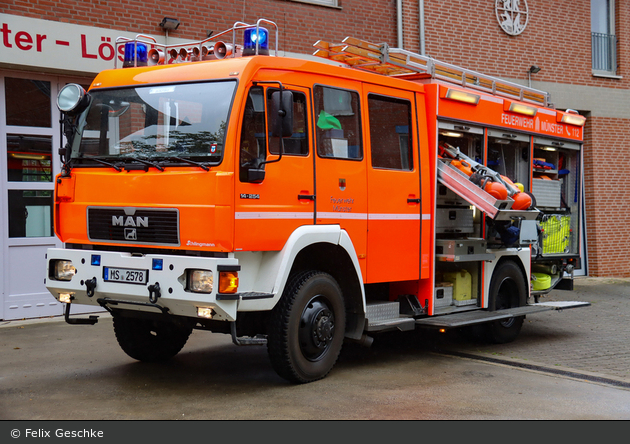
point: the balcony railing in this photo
(604, 52)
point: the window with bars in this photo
(603, 38)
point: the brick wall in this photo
(300, 24)
(557, 38)
(462, 32)
(607, 192)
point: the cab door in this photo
(268, 210)
(340, 162)
(393, 183)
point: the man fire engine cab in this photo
(298, 204)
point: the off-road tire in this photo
(148, 340)
(307, 327)
(508, 289)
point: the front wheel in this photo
(149, 340)
(508, 289)
(307, 328)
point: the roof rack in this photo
(207, 49)
(382, 59)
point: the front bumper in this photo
(164, 291)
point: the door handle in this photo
(306, 197)
(413, 200)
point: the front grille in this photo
(134, 225)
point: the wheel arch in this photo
(325, 248)
(335, 260)
(521, 258)
(521, 267)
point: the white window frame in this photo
(328, 3)
(612, 32)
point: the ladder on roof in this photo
(382, 59)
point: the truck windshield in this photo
(183, 123)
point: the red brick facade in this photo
(557, 39)
(300, 24)
(466, 33)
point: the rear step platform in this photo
(480, 316)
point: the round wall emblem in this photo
(512, 15)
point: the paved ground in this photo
(592, 339)
(51, 370)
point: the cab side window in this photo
(338, 123)
(390, 124)
(253, 147)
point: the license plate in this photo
(126, 275)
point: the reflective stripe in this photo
(335, 215)
(374, 216)
(247, 215)
(272, 215)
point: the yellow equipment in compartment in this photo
(556, 234)
(540, 281)
(462, 284)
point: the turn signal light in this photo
(228, 282)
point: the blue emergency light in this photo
(135, 52)
(252, 37)
(157, 264)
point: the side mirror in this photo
(255, 175)
(281, 113)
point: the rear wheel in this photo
(307, 328)
(149, 340)
(508, 289)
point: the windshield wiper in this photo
(191, 162)
(103, 162)
(143, 161)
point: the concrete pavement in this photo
(54, 371)
(594, 340)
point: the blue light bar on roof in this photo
(135, 54)
(252, 38)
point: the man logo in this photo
(131, 234)
(130, 221)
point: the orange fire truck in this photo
(296, 204)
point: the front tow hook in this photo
(154, 292)
(90, 284)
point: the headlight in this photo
(200, 281)
(63, 270)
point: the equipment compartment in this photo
(454, 220)
(547, 192)
(459, 250)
